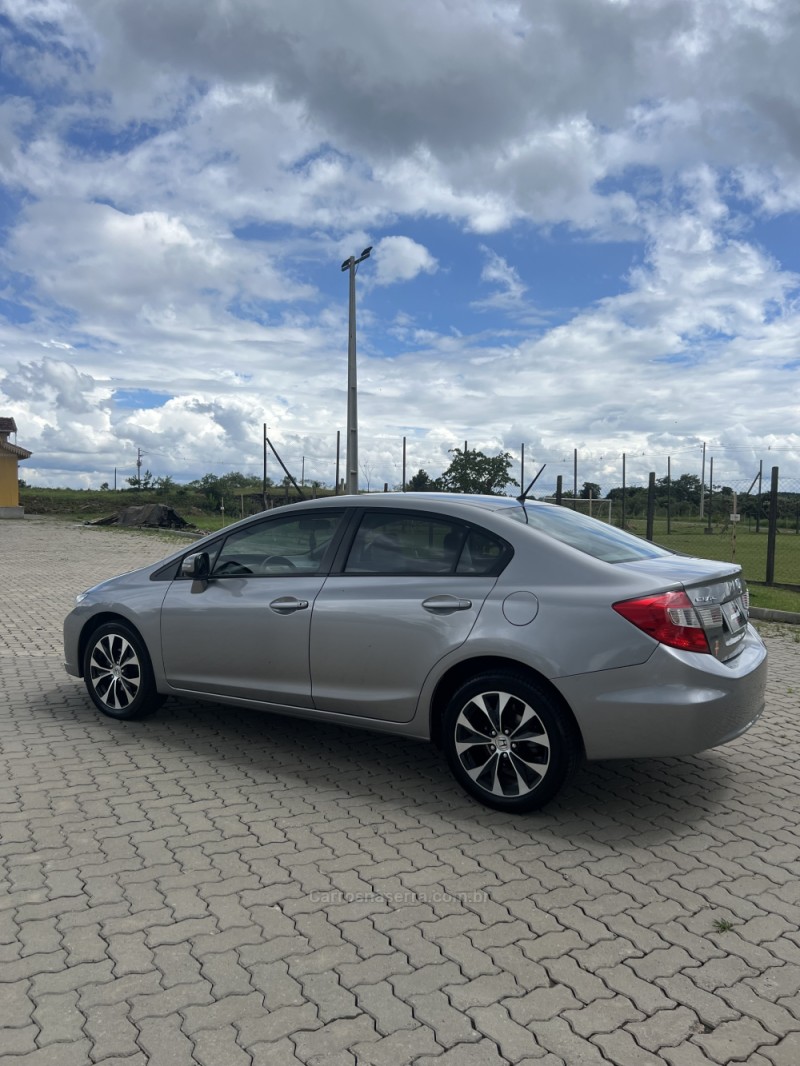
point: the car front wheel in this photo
(118, 674)
(509, 743)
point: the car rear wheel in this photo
(509, 743)
(118, 674)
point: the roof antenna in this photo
(522, 498)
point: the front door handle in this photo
(288, 605)
(440, 604)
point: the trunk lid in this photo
(717, 591)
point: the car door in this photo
(244, 632)
(409, 593)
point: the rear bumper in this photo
(677, 703)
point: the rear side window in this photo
(588, 535)
(391, 543)
(482, 553)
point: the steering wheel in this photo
(277, 561)
(232, 567)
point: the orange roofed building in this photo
(10, 455)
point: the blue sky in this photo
(584, 214)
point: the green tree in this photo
(635, 499)
(421, 482)
(473, 472)
(684, 489)
(209, 485)
(236, 481)
(143, 481)
(590, 491)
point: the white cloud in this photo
(501, 110)
(509, 290)
(54, 382)
(401, 259)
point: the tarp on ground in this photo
(150, 515)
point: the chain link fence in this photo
(734, 522)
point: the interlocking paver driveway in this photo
(225, 888)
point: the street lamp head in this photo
(346, 264)
(366, 252)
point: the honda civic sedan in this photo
(519, 636)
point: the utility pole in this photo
(139, 469)
(351, 487)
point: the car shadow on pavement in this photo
(652, 799)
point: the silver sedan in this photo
(519, 636)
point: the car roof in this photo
(413, 499)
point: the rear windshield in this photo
(588, 535)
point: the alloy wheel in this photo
(502, 744)
(115, 671)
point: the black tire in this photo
(509, 742)
(118, 673)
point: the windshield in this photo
(588, 535)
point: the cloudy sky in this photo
(584, 214)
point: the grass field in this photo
(774, 599)
(749, 549)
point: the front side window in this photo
(389, 543)
(277, 546)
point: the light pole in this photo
(351, 484)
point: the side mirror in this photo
(196, 566)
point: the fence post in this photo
(669, 494)
(651, 503)
(773, 526)
(264, 479)
(559, 488)
(622, 519)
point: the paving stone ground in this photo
(224, 888)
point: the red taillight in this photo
(669, 618)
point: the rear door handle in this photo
(439, 604)
(288, 605)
